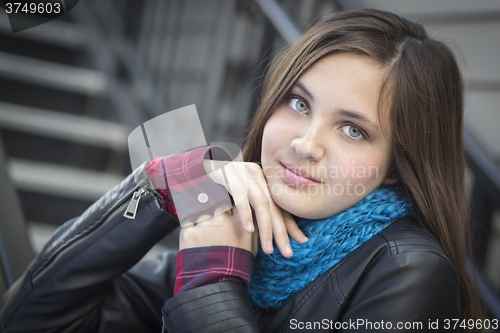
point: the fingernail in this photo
(250, 226)
(288, 249)
(270, 245)
(305, 239)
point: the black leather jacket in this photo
(88, 279)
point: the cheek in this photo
(272, 137)
(267, 143)
(267, 148)
(364, 168)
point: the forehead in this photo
(346, 81)
(346, 72)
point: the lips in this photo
(298, 177)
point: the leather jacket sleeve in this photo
(79, 281)
(217, 307)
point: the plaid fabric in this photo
(200, 266)
(180, 178)
(152, 170)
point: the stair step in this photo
(39, 233)
(58, 180)
(55, 32)
(58, 76)
(64, 126)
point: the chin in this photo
(300, 208)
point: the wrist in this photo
(200, 266)
(222, 230)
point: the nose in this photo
(308, 144)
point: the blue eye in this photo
(353, 132)
(298, 104)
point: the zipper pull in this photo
(134, 204)
(163, 325)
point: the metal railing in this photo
(15, 249)
(485, 198)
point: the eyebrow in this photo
(301, 87)
(344, 113)
(356, 115)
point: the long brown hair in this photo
(425, 93)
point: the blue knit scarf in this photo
(275, 278)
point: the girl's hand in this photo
(247, 185)
(224, 230)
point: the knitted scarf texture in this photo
(275, 278)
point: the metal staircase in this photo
(64, 141)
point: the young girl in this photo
(359, 136)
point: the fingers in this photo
(255, 242)
(292, 228)
(221, 230)
(278, 226)
(233, 177)
(248, 187)
(261, 206)
(214, 170)
(281, 237)
(261, 202)
(269, 216)
(238, 187)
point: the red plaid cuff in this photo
(186, 189)
(200, 266)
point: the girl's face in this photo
(323, 149)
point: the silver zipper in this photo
(134, 203)
(131, 205)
